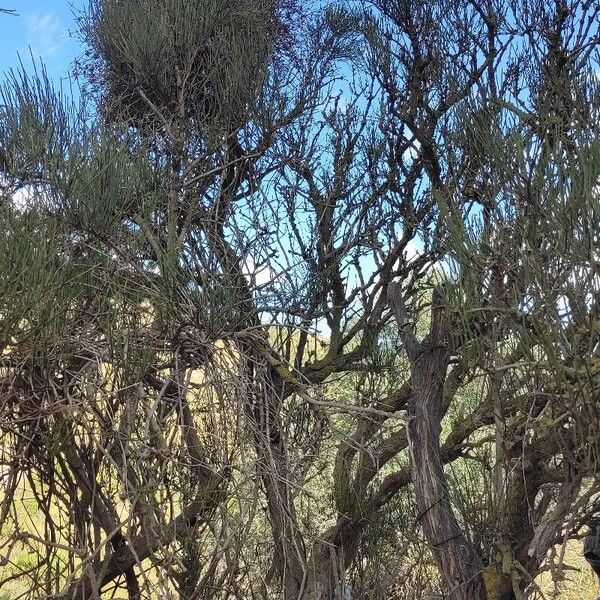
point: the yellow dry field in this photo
(579, 584)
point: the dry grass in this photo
(579, 584)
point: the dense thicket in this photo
(302, 302)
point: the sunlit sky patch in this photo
(43, 30)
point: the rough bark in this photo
(289, 559)
(455, 556)
(330, 558)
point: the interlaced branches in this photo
(304, 307)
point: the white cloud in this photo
(257, 275)
(23, 198)
(26, 196)
(46, 34)
(411, 152)
(410, 252)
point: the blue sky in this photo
(44, 28)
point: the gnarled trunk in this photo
(330, 558)
(455, 556)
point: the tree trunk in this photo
(455, 556)
(289, 556)
(331, 557)
(498, 585)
